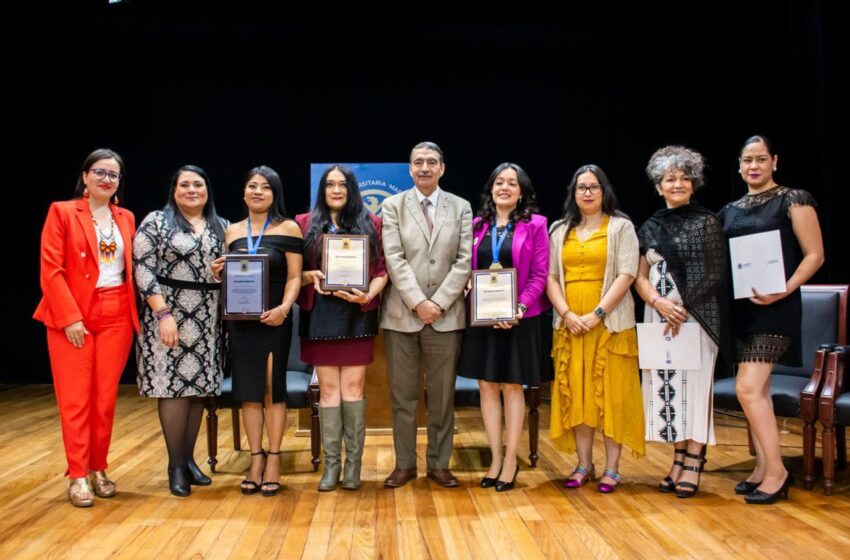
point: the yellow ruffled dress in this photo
(597, 380)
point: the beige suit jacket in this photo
(423, 266)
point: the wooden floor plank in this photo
(538, 519)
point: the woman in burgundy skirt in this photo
(338, 328)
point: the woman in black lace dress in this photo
(177, 349)
(260, 349)
(766, 328)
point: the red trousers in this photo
(86, 379)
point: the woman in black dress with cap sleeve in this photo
(766, 328)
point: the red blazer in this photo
(69, 266)
(378, 268)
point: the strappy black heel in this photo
(668, 485)
(693, 488)
(269, 489)
(249, 486)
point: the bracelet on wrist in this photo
(656, 298)
(162, 313)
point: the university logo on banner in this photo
(377, 181)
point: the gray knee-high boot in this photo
(354, 430)
(330, 422)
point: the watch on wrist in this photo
(600, 312)
(522, 308)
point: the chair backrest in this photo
(295, 363)
(824, 321)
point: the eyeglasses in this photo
(102, 174)
(592, 189)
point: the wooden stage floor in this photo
(539, 519)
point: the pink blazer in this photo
(530, 256)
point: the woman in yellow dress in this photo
(593, 256)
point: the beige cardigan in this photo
(623, 257)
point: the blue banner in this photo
(377, 181)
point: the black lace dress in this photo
(251, 342)
(768, 333)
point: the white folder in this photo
(659, 351)
(757, 263)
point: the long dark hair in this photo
(277, 211)
(526, 205)
(353, 218)
(95, 156)
(173, 216)
(610, 206)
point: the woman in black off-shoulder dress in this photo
(260, 349)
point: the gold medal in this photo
(495, 266)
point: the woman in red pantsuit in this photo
(89, 309)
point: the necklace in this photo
(587, 227)
(107, 244)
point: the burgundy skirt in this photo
(345, 352)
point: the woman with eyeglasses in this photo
(593, 261)
(766, 329)
(89, 309)
(682, 277)
(260, 349)
(179, 347)
(508, 233)
(338, 328)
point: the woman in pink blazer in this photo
(508, 234)
(89, 309)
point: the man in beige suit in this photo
(427, 237)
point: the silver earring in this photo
(774, 169)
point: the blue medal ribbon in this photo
(496, 246)
(252, 247)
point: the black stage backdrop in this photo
(243, 86)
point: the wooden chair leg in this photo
(828, 443)
(237, 435)
(809, 435)
(533, 398)
(315, 431)
(750, 444)
(212, 435)
(841, 446)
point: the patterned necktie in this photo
(425, 204)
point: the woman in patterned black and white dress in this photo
(682, 278)
(178, 348)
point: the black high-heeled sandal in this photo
(758, 497)
(269, 489)
(668, 485)
(248, 486)
(693, 488)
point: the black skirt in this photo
(519, 355)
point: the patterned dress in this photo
(677, 403)
(176, 265)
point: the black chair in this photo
(302, 391)
(795, 390)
